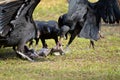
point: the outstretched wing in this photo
(92, 13)
(109, 10)
(8, 11)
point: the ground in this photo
(81, 63)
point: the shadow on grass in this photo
(9, 53)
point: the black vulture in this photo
(66, 26)
(47, 30)
(16, 24)
(89, 15)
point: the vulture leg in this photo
(24, 56)
(92, 44)
(20, 51)
(63, 31)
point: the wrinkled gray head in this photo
(77, 9)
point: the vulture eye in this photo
(93, 1)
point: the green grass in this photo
(81, 63)
(52, 9)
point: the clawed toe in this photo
(24, 56)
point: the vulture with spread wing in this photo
(16, 24)
(90, 14)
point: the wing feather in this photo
(109, 10)
(8, 11)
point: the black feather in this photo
(8, 12)
(108, 10)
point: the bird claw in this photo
(24, 56)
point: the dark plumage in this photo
(71, 27)
(66, 27)
(90, 14)
(47, 30)
(16, 24)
